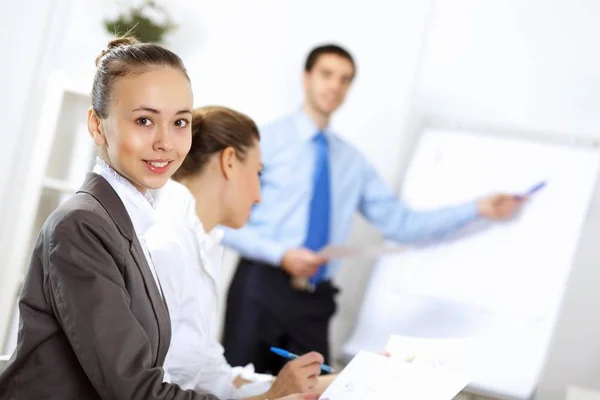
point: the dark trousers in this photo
(263, 310)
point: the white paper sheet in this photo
(434, 352)
(373, 376)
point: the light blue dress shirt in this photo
(280, 221)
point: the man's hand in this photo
(301, 262)
(297, 376)
(500, 206)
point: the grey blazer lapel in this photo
(96, 186)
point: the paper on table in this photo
(336, 251)
(373, 376)
(452, 352)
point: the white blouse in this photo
(139, 207)
(188, 262)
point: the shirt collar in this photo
(176, 200)
(306, 126)
(139, 207)
(212, 238)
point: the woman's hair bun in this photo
(116, 43)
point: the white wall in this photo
(21, 55)
(527, 64)
(18, 67)
(574, 356)
(29, 31)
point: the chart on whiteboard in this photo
(497, 283)
(514, 266)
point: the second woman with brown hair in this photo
(217, 184)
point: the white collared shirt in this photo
(139, 207)
(188, 262)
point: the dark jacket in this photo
(93, 323)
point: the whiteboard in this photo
(499, 282)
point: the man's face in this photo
(327, 83)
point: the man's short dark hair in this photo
(315, 53)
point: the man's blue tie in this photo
(318, 224)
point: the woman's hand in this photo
(303, 396)
(297, 376)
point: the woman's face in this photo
(147, 132)
(244, 188)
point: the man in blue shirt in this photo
(312, 184)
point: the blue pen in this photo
(292, 356)
(533, 189)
